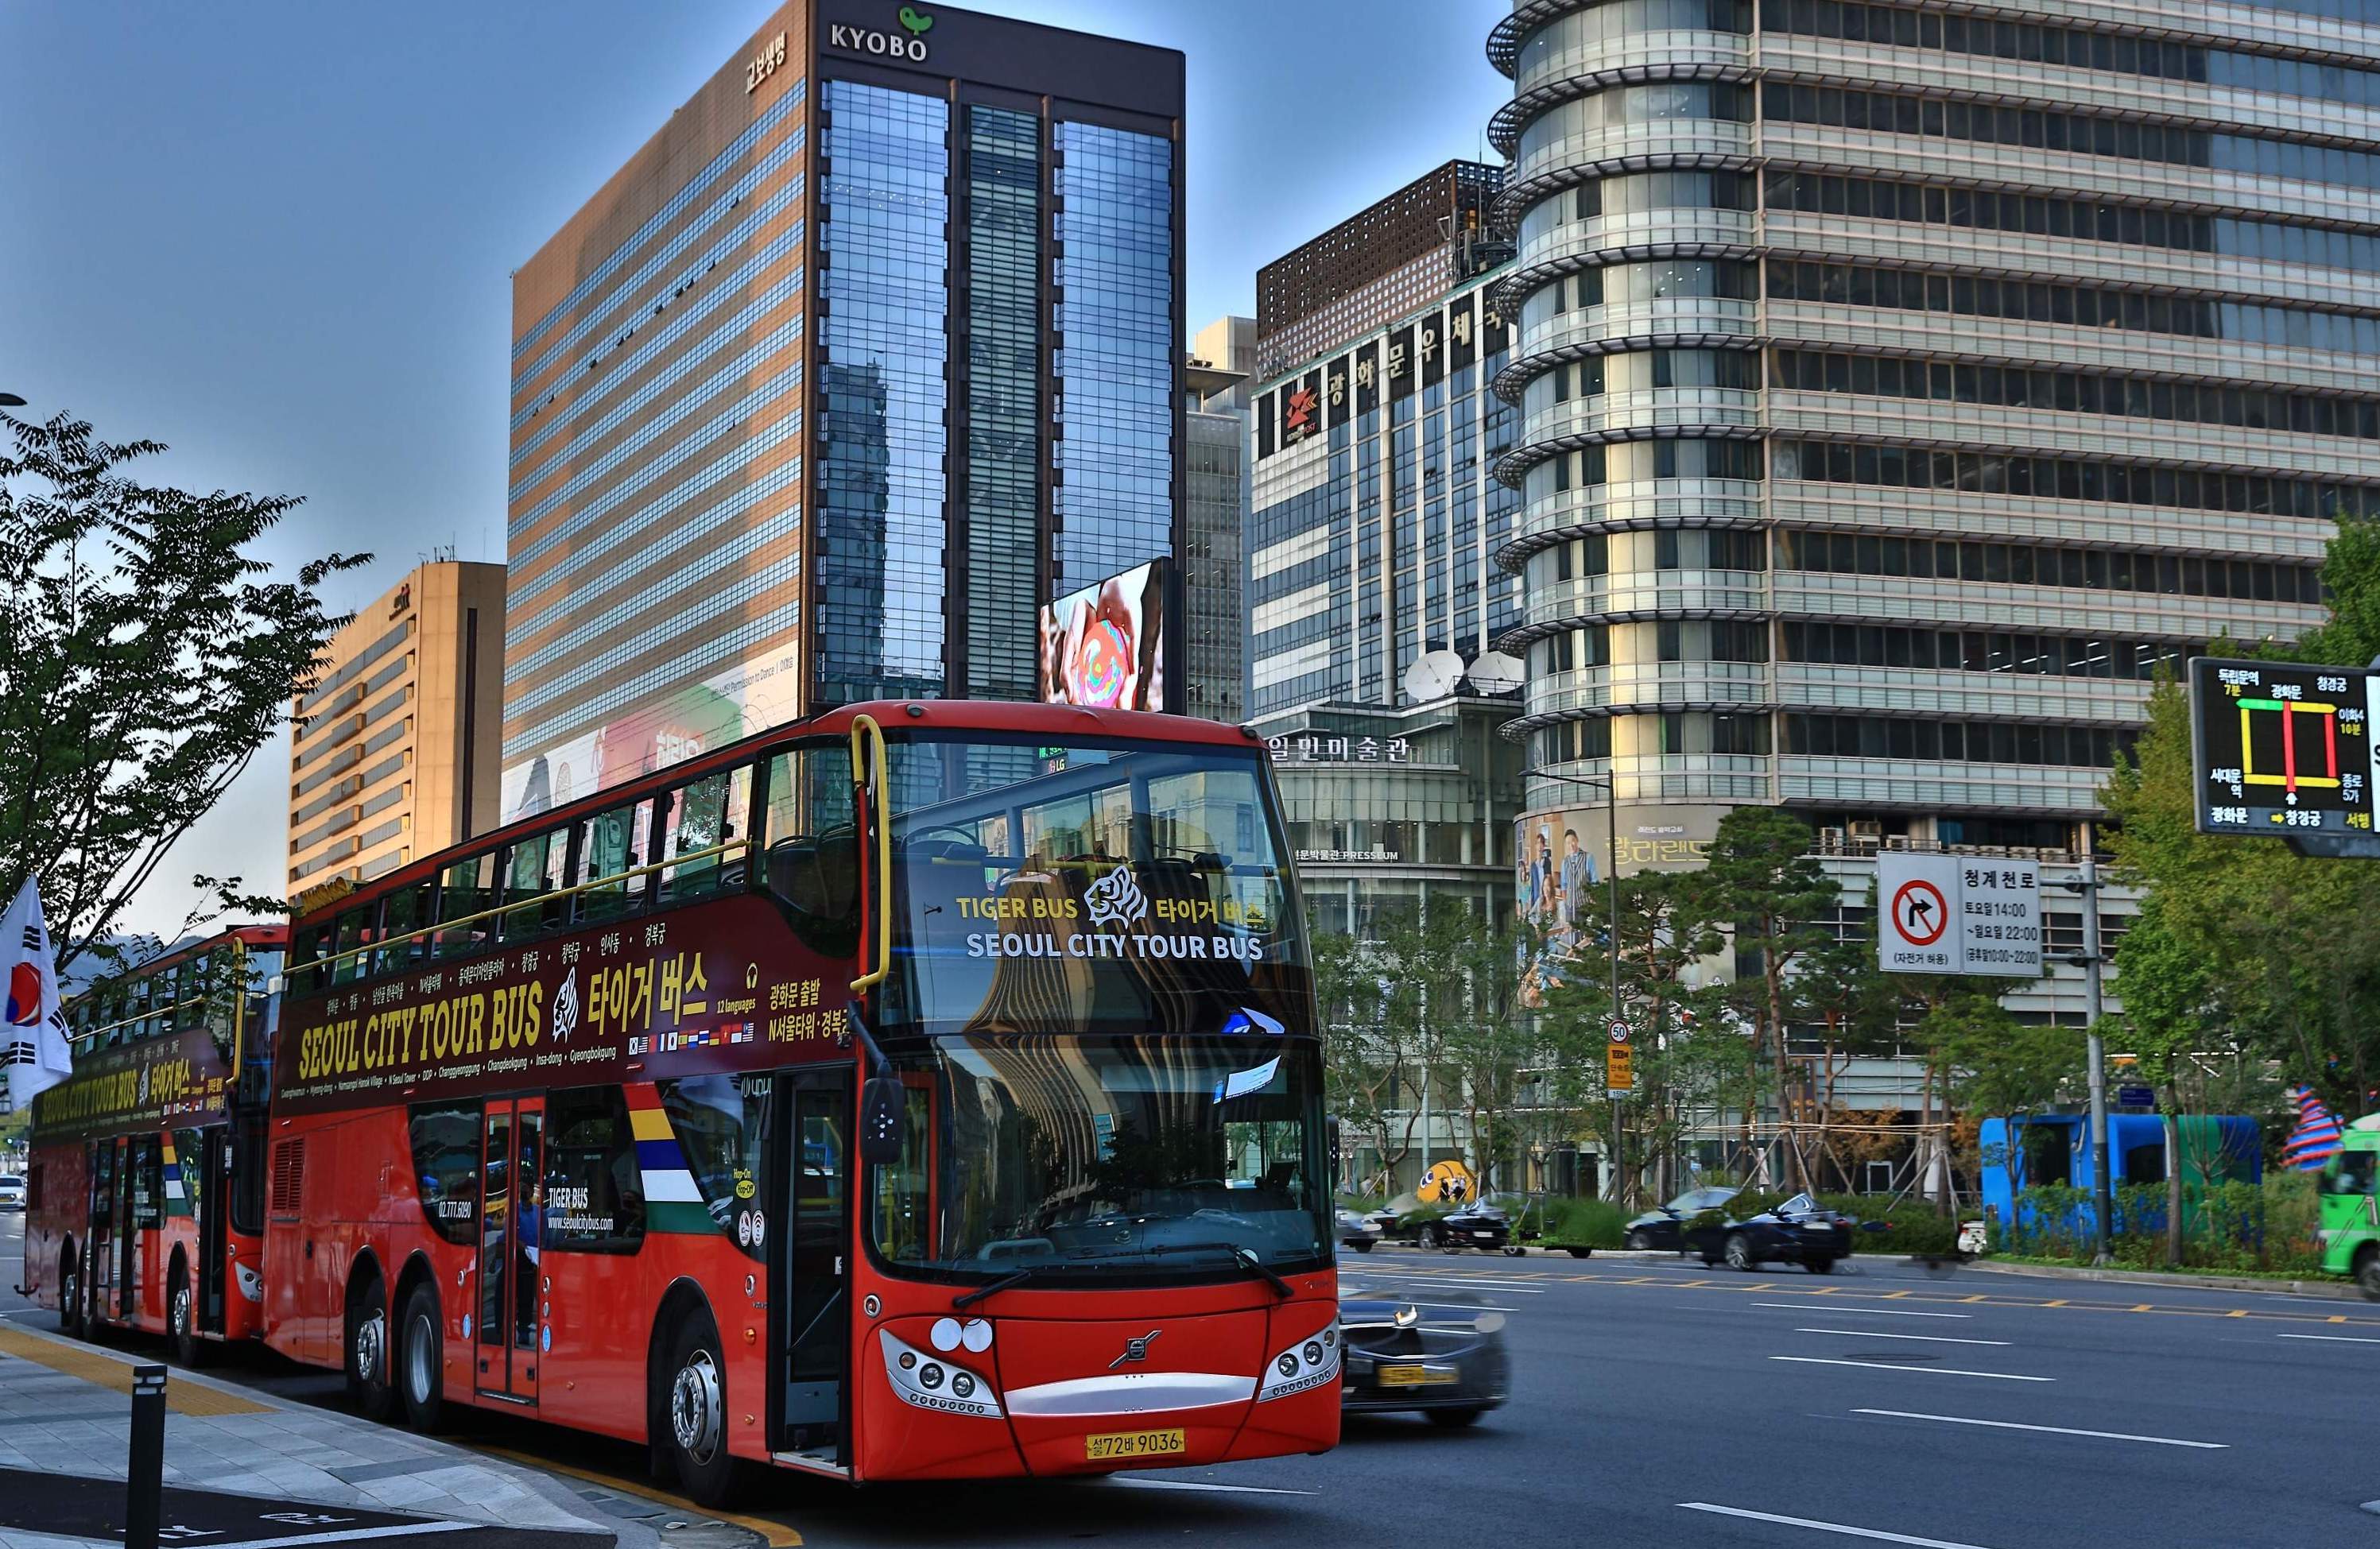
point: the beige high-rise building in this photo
(397, 746)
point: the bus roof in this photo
(894, 715)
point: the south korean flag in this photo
(36, 1054)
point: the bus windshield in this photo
(1066, 1157)
(1124, 886)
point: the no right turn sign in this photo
(1951, 914)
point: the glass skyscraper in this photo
(869, 352)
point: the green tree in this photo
(145, 657)
(1996, 1065)
(1769, 885)
(1388, 1002)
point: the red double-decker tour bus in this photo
(927, 1090)
(145, 1199)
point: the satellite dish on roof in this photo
(1433, 676)
(1494, 673)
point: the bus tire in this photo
(368, 1350)
(70, 1291)
(694, 1409)
(181, 1317)
(2367, 1272)
(421, 1362)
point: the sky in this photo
(278, 236)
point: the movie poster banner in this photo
(1563, 855)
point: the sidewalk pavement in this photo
(65, 1410)
(2331, 1291)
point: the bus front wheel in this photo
(421, 1364)
(2367, 1272)
(695, 1406)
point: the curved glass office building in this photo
(1900, 386)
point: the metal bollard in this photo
(144, 1478)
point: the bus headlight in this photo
(935, 1382)
(1309, 1364)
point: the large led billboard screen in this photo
(1106, 645)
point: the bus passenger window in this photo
(700, 818)
(532, 869)
(594, 1192)
(445, 1139)
(608, 846)
(465, 890)
(403, 913)
(353, 930)
(811, 857)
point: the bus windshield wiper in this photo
(991, 1287)
(1245, 1257)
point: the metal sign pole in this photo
(2102, 1191)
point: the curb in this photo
(2327, 1290)
(555, 1490)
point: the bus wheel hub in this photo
(181, 1309)
(371, 1345)
(694, 1407)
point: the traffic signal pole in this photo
(2102, 1189)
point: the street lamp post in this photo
(1611, 935)
(10, 401)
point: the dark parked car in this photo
(1664, 1225)
(1356, 1231)
(1484, 1227)
(1452, 1371)
(1798, 1231)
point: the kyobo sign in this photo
(906, 40)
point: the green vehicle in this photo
(2350, 1212)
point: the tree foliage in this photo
(145, 656)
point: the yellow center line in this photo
(2060, 1303)
(776, 1534)
(2236, 1313)
(2334, 1318)
(1978, 1297)
(105, 1371)
(2145, 1307)
(1894, 1296)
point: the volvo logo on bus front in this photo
(1135, 1349)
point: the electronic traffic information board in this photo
(2286, 751)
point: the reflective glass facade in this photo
(884, 387)
(1116, 341)
(793, 393)
(1376, 515)
(1003, 465)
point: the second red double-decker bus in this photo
(145, 1198)
(929, 1090)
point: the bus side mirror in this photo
(881, 1100)
(1331, 1129)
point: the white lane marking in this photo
(2050, 1430)
(1842, 1528)
(2331, 1338)
(1831, 1308)
(1197, 1484)
(1920, 1338)
(1451, 1306)
(1888, 1366)
(350, 1535)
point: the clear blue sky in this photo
(277, 237)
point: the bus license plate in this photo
(1415, 1377)
(1134, 1444)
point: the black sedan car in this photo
(1798, 1231)
(1359, 1232)
(1664, 1225)
(1452, 1371)
(1484, 1227)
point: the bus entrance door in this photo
(107, 1226)
(203, 1171)
(814, 1269)
(512, 1288)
